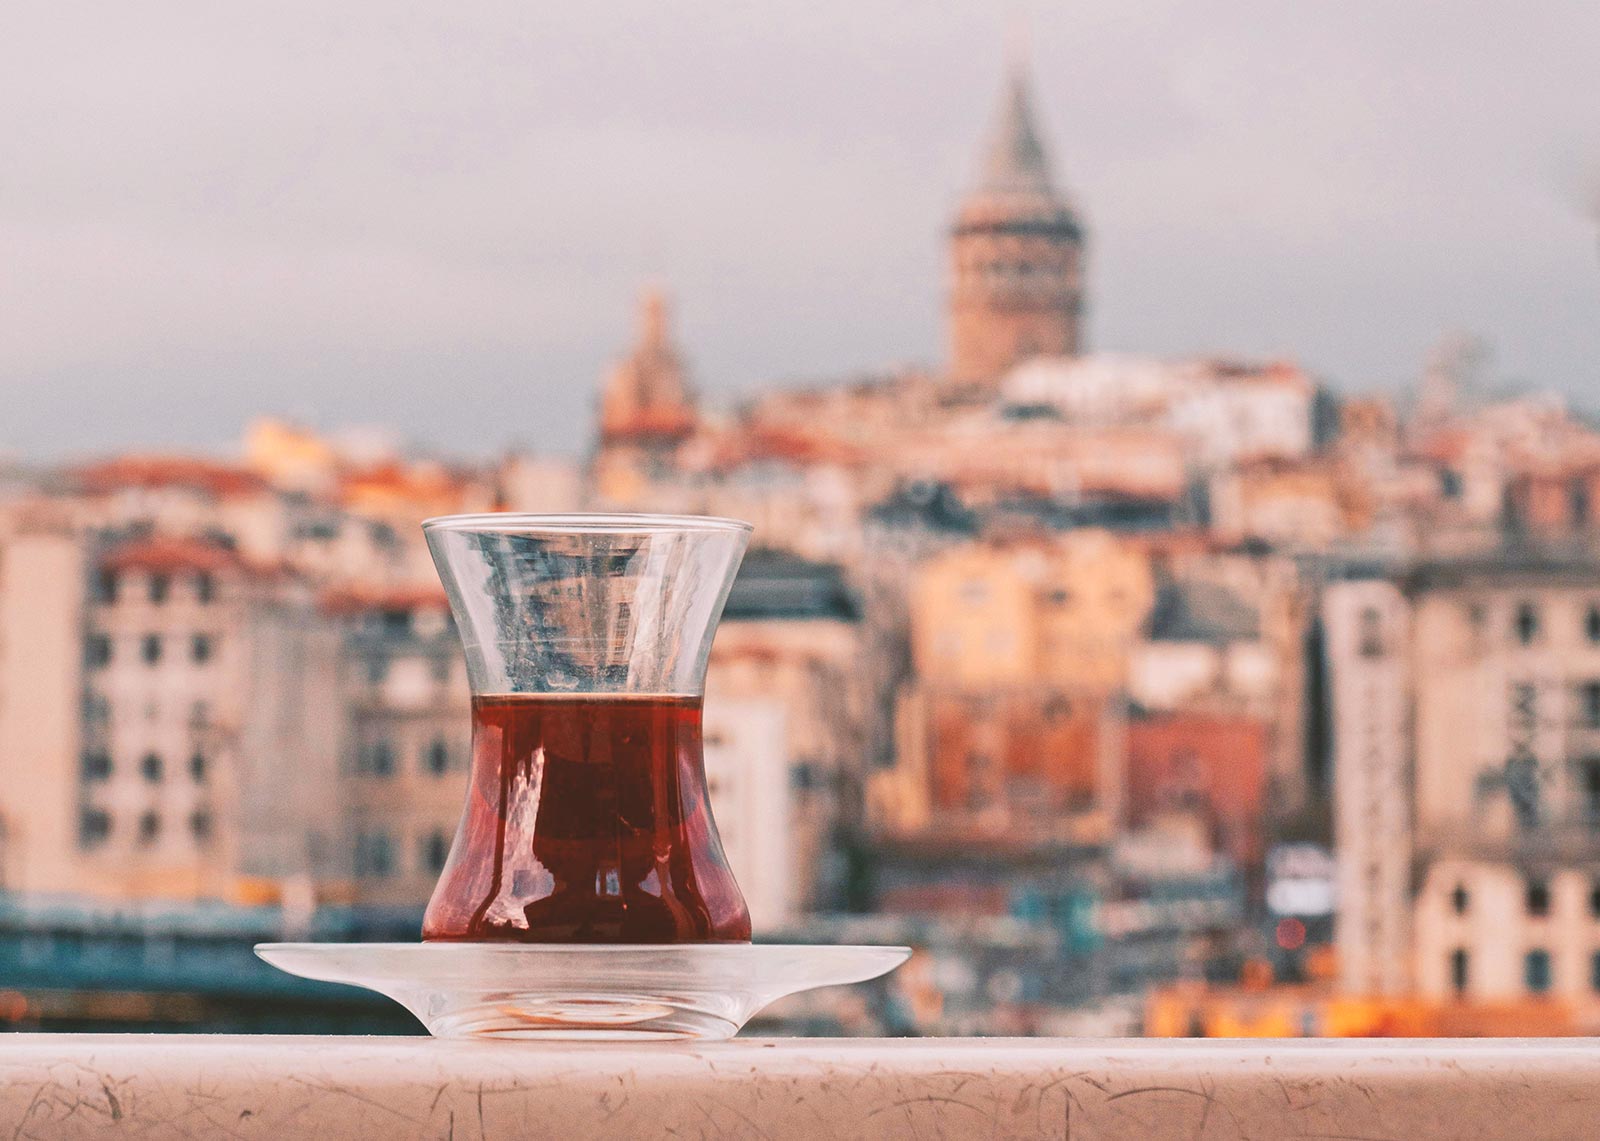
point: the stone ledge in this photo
(276, 1087)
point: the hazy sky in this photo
(437, 216)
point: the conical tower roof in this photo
(1015, 162)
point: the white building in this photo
(747, 773)
(1225, 411)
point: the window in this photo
(1527, 623)
(150, 649)
(441, 670)
(205, 588)
(200, 649)
(435, 850)
(97, 650)
(1371, 633)
(373, 856)
(151, 768)
(974, 592)
(94, 825)
(1594, 971)
(1591, 791)
(1589, 704)
(377, 669)
(1537, 898)
(377, 758)
(1460, 964)
(197, 768)
(1594, 900)
(437, 758)
(97, 765)
(105, 587)
(1591, 623)
(159, 585)
(1460, 899)
(149, 828)
(1536, 970)
(200, 825)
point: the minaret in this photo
(1016, 254)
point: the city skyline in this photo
(369, 233)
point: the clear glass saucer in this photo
(571, 990)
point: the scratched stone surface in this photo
(141, 1086)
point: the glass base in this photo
(583, 991)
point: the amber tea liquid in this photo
(587, 821)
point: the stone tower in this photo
(646, 409)
(1016, 255)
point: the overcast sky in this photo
(436, 217)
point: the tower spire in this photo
(1014, 161)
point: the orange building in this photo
(1213, 767)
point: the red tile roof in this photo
(167, 471)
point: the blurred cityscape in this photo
(1179, 697)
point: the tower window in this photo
(1537, 897)
(1594, 900)
(97, 765)
(200, 825)
(201, 648)
(159, 585)
(1536, 970)
(149, 828)
(1460, 899)
(151, 768)
(1460, 966)
(197, 768)
(105, 587)
(437, 758)
(150, 649)
(1591, 623)
(205, 588)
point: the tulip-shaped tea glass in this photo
(586, 893)
(587, 818)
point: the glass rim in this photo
(583, 523)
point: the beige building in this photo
(42, 575)
(209, 722)
(1062, 611)
(1471, 706)
(405, 746)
